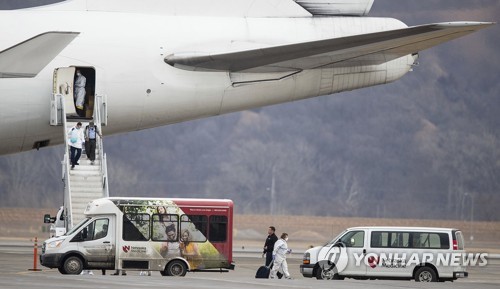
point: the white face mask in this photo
(286, 239)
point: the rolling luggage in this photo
(263, 272)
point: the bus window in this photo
(101, 228)
(218, 229)
(136, 227)
(196, 225)
(165, 228)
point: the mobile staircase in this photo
(85, 182)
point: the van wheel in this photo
(425, 274)
(322, 274)
(176, 268)
(72, 265)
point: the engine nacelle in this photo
(337, 7)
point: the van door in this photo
(355, 243)
(391, 251)
(98, 243)
(344, 257)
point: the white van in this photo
(423, 254)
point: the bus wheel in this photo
(72, 265)
(425, 274)
(176, 268)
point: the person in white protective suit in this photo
(279, 257)
(79, 93)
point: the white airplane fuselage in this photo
(127, 51)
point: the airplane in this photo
(159, 62)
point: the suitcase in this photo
(263, 272)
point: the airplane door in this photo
(63, 84)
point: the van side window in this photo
(419, 240)
(400, 239)
(136, 227)
(431, 240)
(379, 240)
(355, 239)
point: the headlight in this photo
(306, 259)
(54, 244)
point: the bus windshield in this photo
(82, 222)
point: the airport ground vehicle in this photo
(423, 254)
(172, 236)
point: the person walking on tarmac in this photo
(269, 245)
(279, 256)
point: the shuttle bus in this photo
(172, 236)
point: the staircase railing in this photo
(65, 163)
(99, 106)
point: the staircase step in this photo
(86, 184)
(76, 172)
(86, 178)
(75, 190)
(82, 202)
(85, 167)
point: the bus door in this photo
(97, 243)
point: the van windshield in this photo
(334, 240)
(82, 222)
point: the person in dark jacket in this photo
(269, 245)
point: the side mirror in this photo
(47, 219)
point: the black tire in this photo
(61, 270)
(72, 265)
(176, 268)
(328, 274)
(425, 274)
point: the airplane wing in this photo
(28, 58)
(372, 48)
